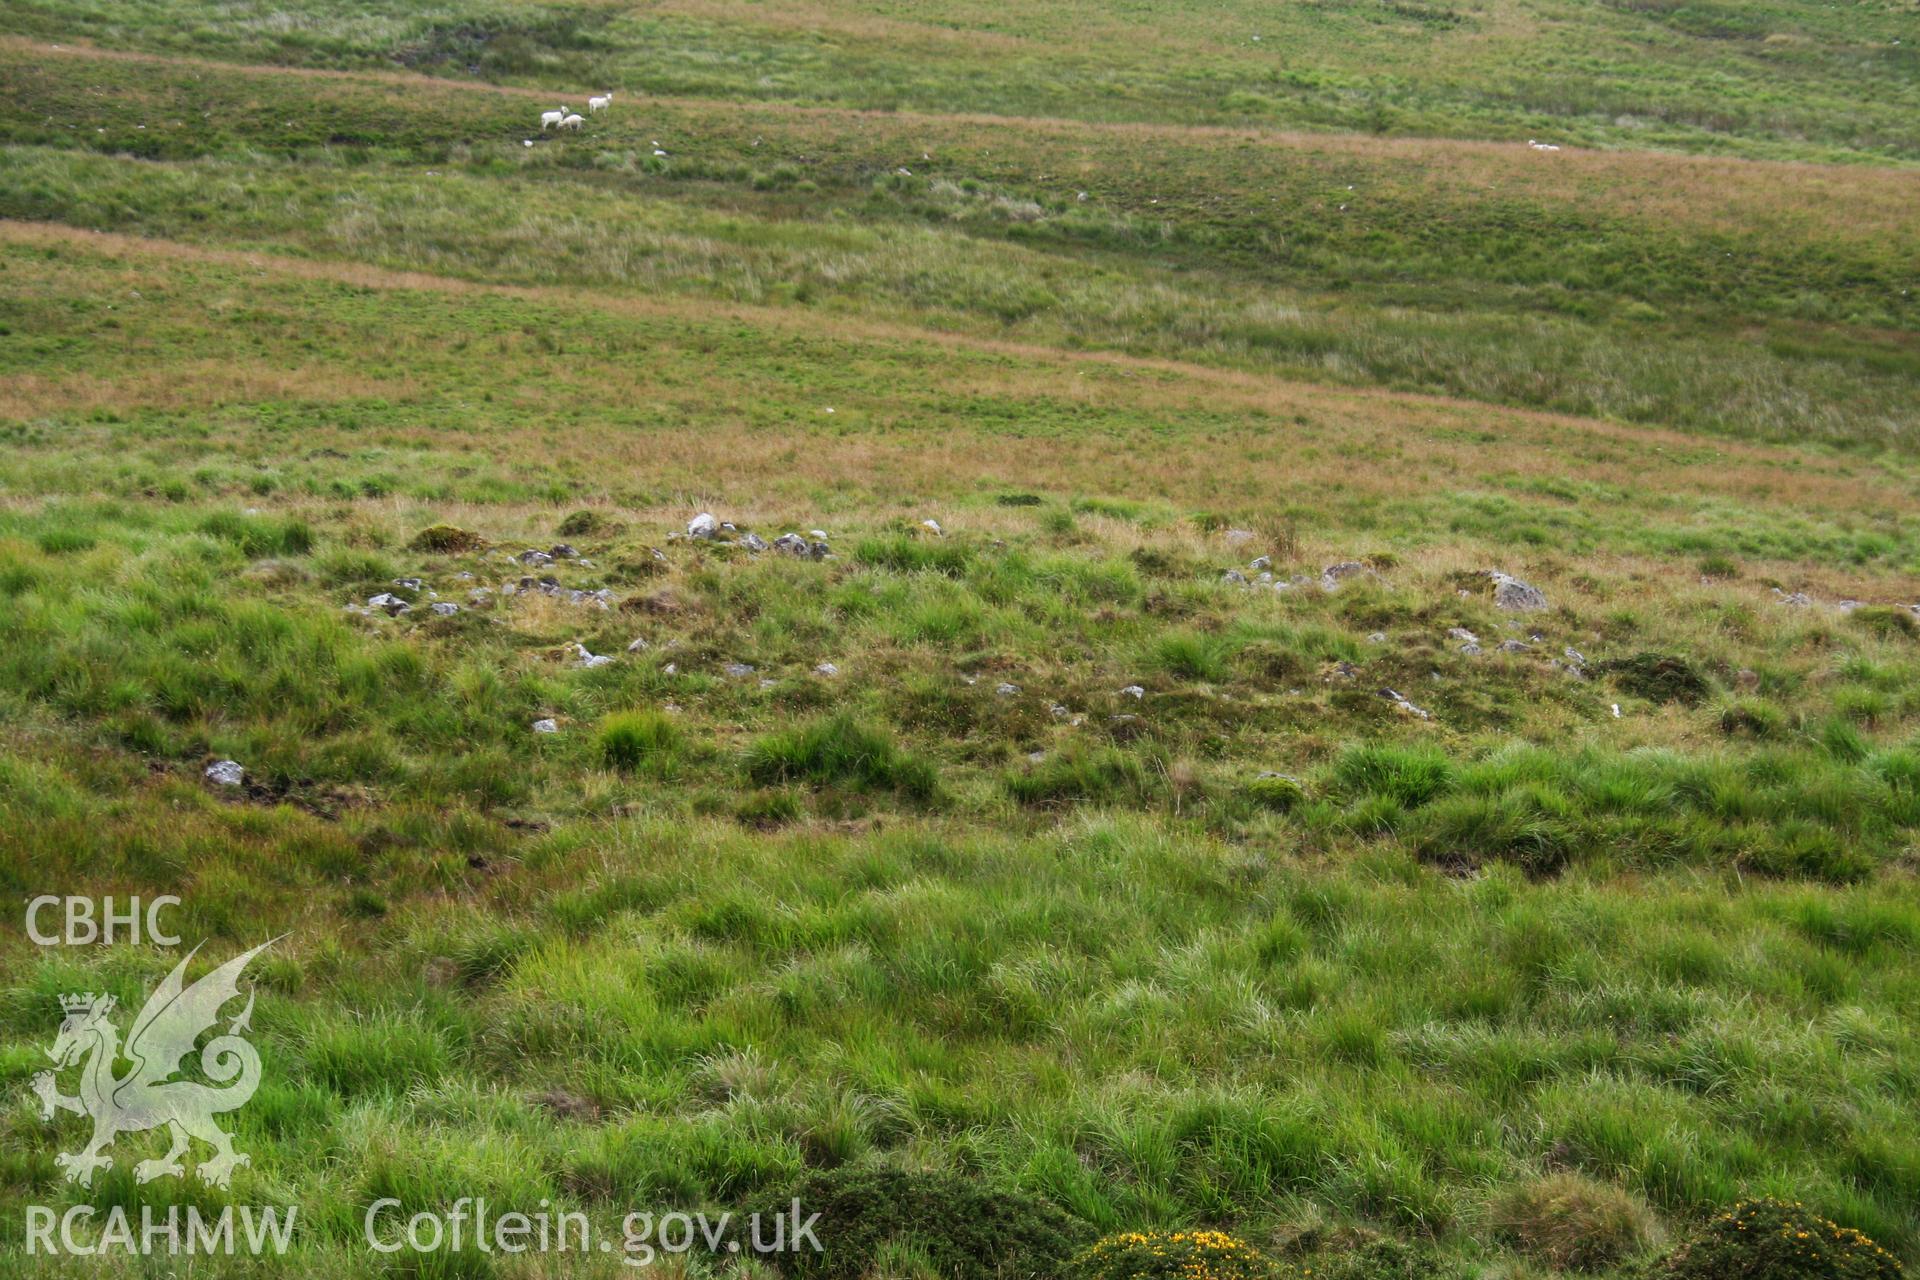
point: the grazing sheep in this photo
(1541, 146)
(601, 103)
(573, 122)
(552, 117)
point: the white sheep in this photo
(552, 118)
(601, 103)
(573, 122)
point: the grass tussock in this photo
(838, 750)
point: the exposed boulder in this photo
(1511, 593)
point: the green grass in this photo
(1035, 864)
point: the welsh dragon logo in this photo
(148, 1096)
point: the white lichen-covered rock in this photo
(932, 526)
(754, 542)
(1133, 691)
(1006, 690)
(1400, 701)
(226, 773)
(703, 526)
(638, 645)
(1510, 592)
(546, 726)
(826, 669)
(443, 608)
(739, 670)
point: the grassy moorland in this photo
(1082, 870)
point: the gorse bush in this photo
(1771, 1239)
(1174, 1255)
(840, 750)
(957, 1227)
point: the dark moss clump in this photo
(1658, 677)
(446, 539)
(965, 1228)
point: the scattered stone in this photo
(638, 645)
(226, 773)
(479, 595)
(754, 542)
(793, 544)
(393, 604)
(1378, 637)
(1335, 574)
(1616, 710)
(1035, 757)
(1401, 702)
(1463, 635)
(1471, 650)
(1006, 690)
(739, 670)
(766, 683)
(1515, 646)
(933, 526)
(1059, 711)
(443, 608)
(727, 526)
(672, 669)
(1345, 670)
(1511, 593)
(1574, 655)
(590, 659)
(1261, 562)
(534, 558)
(562, 551)
(1235, 577)
(546, 726)
(408, 584)
(826, 669)
(703, 526)
(1133, 691)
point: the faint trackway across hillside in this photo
(1685, 167)
(1173, 382)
